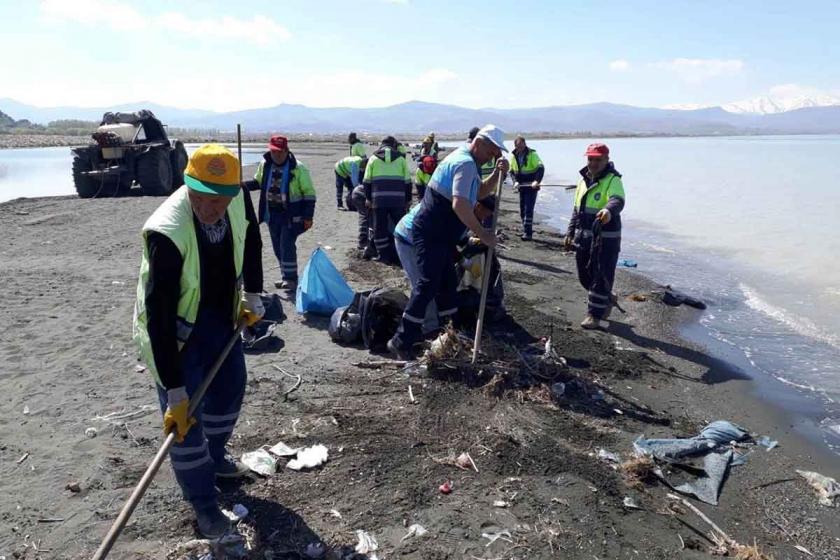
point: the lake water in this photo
(744, 223)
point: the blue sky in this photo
(363, 53)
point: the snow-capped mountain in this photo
(767, 105)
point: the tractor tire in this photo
(178, 159)
(86, 186)
(154, 173)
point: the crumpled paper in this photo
(309, 457)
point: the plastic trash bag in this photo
(322, 289)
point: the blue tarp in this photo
(322, 289)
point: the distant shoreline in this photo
(12, 141)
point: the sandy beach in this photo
(67, 363)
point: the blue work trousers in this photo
(340, 184)
(597, 274)
(437, 282)
(384, 222)
(527, 202)
(284, 242)
(194, 460)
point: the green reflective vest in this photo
(589, 200)
(358, 149)
(174, 219)
(421, 177)
(345, 167)
(487, 169)
(532, 163)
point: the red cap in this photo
(278, 143)
(597, 150)
(428, 164)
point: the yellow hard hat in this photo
(213, 169)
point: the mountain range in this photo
(417, 117)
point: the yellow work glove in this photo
(176, 419)
(252, 308)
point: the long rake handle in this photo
(485, 279)
(130, 505)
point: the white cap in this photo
(493, 134)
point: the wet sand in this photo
(69, 269)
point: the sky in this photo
(226, 55)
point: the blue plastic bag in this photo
(322, 289)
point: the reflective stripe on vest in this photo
(174, 219)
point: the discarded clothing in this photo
(707, 480)
(675, 299)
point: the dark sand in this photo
(68, 269)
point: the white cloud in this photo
(619, 65)
(696, 70)
(260, 29)
(117, 15)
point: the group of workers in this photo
(201, 270)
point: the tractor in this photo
(129, 148)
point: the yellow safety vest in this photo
(174, 219)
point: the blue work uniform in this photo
(435, 232)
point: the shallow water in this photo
(746, 225)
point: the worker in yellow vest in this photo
(527, 170)
(200, 274)
(595, 231)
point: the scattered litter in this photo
(629, 263)
(114, 417)
(23, 458)
(90, 432)
(464, 461)
(139, 368)
(328, 247)
(282, 450)
(608, 456)
(25, 409)
(309, 457)
(618, 411)
(335, 513)
(117, 283)
(675, 299)
(238, 513)
(367, 543)
(767, 442)
(411, 395)
(827, 488)
(706, 480)
(637, 297)
(415, 531)
(630, 503)
(51, 520)
(801, 548)
(493, 537)
(557, 389)
(501, 504)
(446, 487)
(73, 487)
(260, 461)
(315, 550)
